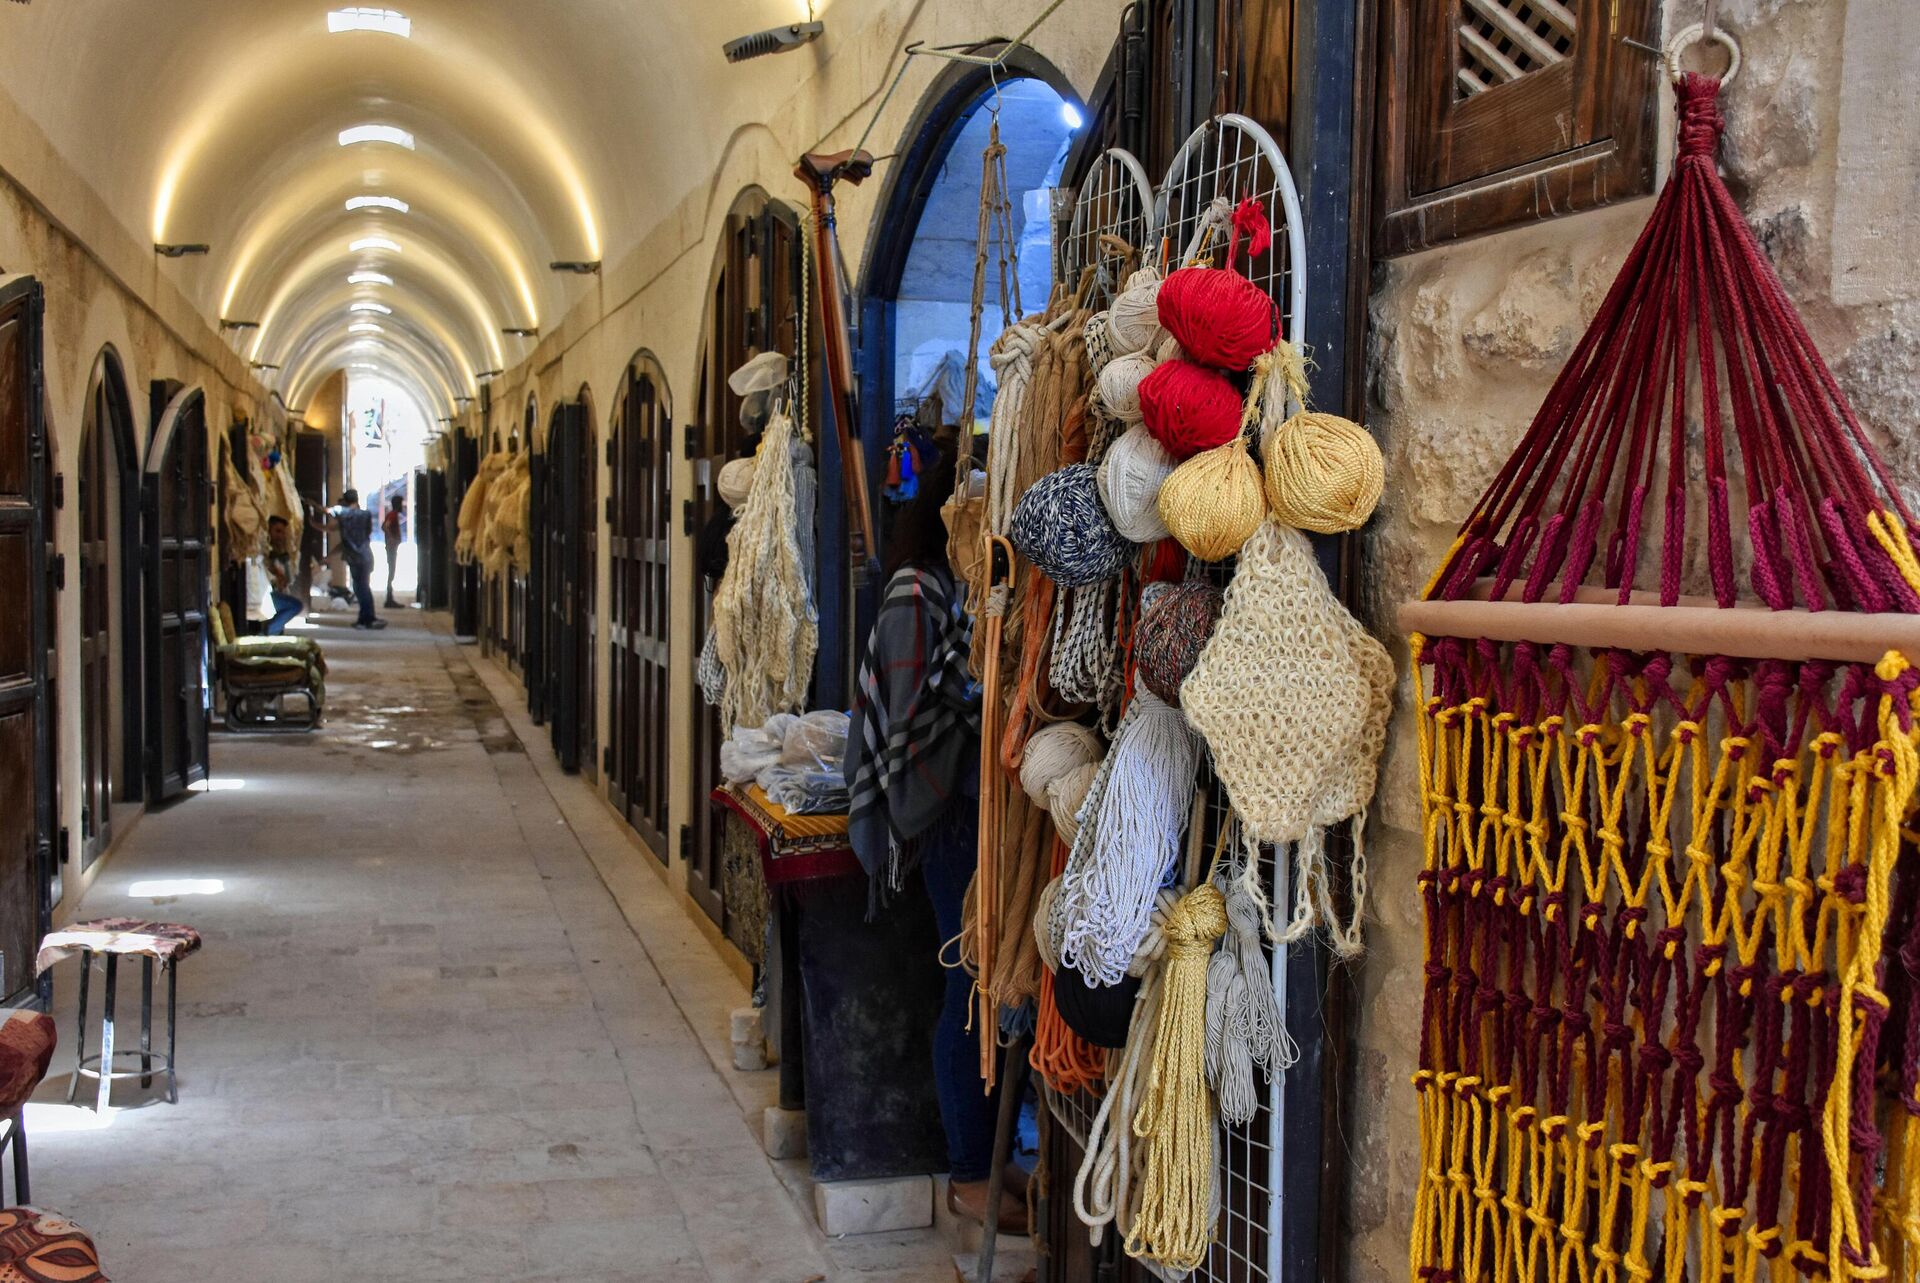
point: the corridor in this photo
(447, 1023)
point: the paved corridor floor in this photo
(447, 1024)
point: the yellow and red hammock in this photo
(1672, 1005)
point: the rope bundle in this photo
(1060, 527)
(1176, 1113)
(1324, 473)
(1129, 839)
(1292, 695)
(1244, 1025)
(1221, 318)
(1173, 628)
(1213, 501)
(1054, 751)
(1066, 795)
(1187, 407)
(1130, 478)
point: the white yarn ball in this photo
(1134, 320)
(1169, 349)
(734, 482)
(1120, 385)
(1065, 796)
(1054, 750)
(1130, 477)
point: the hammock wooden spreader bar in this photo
(1671, 1019)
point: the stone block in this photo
(783, 1132)
(745, 1025)
(873, 1207)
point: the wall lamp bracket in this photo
(772, 40)
(179, 251)
(522, 331)
(263, 365)
(579, 267)
(228, 324)
(488, 374)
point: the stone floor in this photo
(448, 1024)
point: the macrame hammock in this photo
(1672, 1025)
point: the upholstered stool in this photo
(112, 938)
(45, 1247)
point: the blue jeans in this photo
(949, 852)
(284, 609)
(362, 572)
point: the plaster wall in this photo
(1466, 340)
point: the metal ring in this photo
(1687, 37)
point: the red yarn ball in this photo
(1221, 318)
(1189, 408)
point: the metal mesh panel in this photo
(1115, 200)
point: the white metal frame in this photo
(1116, 198)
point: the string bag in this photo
(1666, 837)
(1292, 696)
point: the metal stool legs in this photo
(103, 1063)
(146, 1022)
(86, 977)
(17, 1139)
(106, 1033)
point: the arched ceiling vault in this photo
(541, 130)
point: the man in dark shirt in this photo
(355, 527)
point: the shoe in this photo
(967, 1201)
(378, 623)
(359, 625)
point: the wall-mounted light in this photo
(227, 324)
(393, 203)
(489, 374)
(579, 267)
(179, 251)
(772, 40)
(263, 365)
(522, 331)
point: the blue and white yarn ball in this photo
(1061, 526)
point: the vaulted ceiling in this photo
(517, 133)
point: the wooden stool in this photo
(112, 938)
(36, 1246)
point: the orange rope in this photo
(1067, 1061)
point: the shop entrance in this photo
(640, 535)
(178, 498)
(109, 602)
(560, 613)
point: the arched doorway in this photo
(639, 536)
(109, 607)
(560, 627)
(178, 496)
(752, 307)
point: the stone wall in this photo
(1466, 340)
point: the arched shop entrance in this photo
(753, 299)
(640, 536)
(917, 309)
(563, 522)
(178, 494)
(109, 607)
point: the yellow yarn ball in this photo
(1213, 503)
(1324, 473)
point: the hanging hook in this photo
(1697, 34)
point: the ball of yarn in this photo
(1133, 322)
(1130, 476)
(1324, 473)
(1065, 797)
(1187, 407)
(1213, 502)
(1060, 527)
(1054, 750)
(1173, 628)
(1221, 318)
(1120, 384)
(734, 481)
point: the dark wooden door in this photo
(532, 617)
(97, 558)
(178, 505)
(640, 535)
(751, 308)
(564, 533)
(27, 766)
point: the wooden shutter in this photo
(1499, 112)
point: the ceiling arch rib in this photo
(396, 353)
(437, 348)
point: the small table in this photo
(163, 942)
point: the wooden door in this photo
(532, 617)
(750, 309)
(640, 535)
(177, 508)
(28, 770)
(564, 599)
(97, 563)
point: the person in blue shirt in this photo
(354, 525)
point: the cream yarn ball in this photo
(1133, 322)
(1119, 385)
(1066, 795)
(1052, 752)
(1130, 478)
(1324, 473)
(734, 482)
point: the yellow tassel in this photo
(1176, 1117)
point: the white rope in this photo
(1244, 1024)
(765, 626)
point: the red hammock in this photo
(1672, 1008)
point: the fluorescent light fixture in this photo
(364, 306)
(393, 203)
(366, 18)
(365, 327)
(369, 243)
(1069, 116)
(376, 134)
(369, 278)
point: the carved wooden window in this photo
(1497, 112)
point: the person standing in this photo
(390, 523)
(354, 525)
(280, 575)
